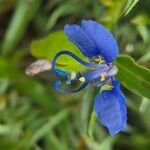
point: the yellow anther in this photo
(107, 86)
(82, 79)
(73, 75)
(102, 77)
(99, 60)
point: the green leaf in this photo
(145, 57)
(56, 14)
(8, 144)
(49, 125)
(54, 43)
(22, 16)
(141, 19)
(133, 77)
(62, 10)
(129, 6)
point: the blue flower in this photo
(100, 47)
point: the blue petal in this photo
(80, 38)
(57, 84)
(106, 43)
(111, 110)
(60, 72)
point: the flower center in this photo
(101, 74)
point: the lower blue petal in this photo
(110, 108)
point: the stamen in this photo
(73, 75)
(102, 71)
(82, 79)
(107, 86)
(102, 77)
(99, 60)
(68, 81)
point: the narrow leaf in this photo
(133, 77)
(129, 6)
(22, 16)
(49, 125)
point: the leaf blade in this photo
(133, 77)
(129, 6)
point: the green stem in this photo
(91, 125)
(86, 108)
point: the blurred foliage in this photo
(32, 115)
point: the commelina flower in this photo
(100, 47)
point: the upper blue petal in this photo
(104, 40)
(80, 38)
(111, 110)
